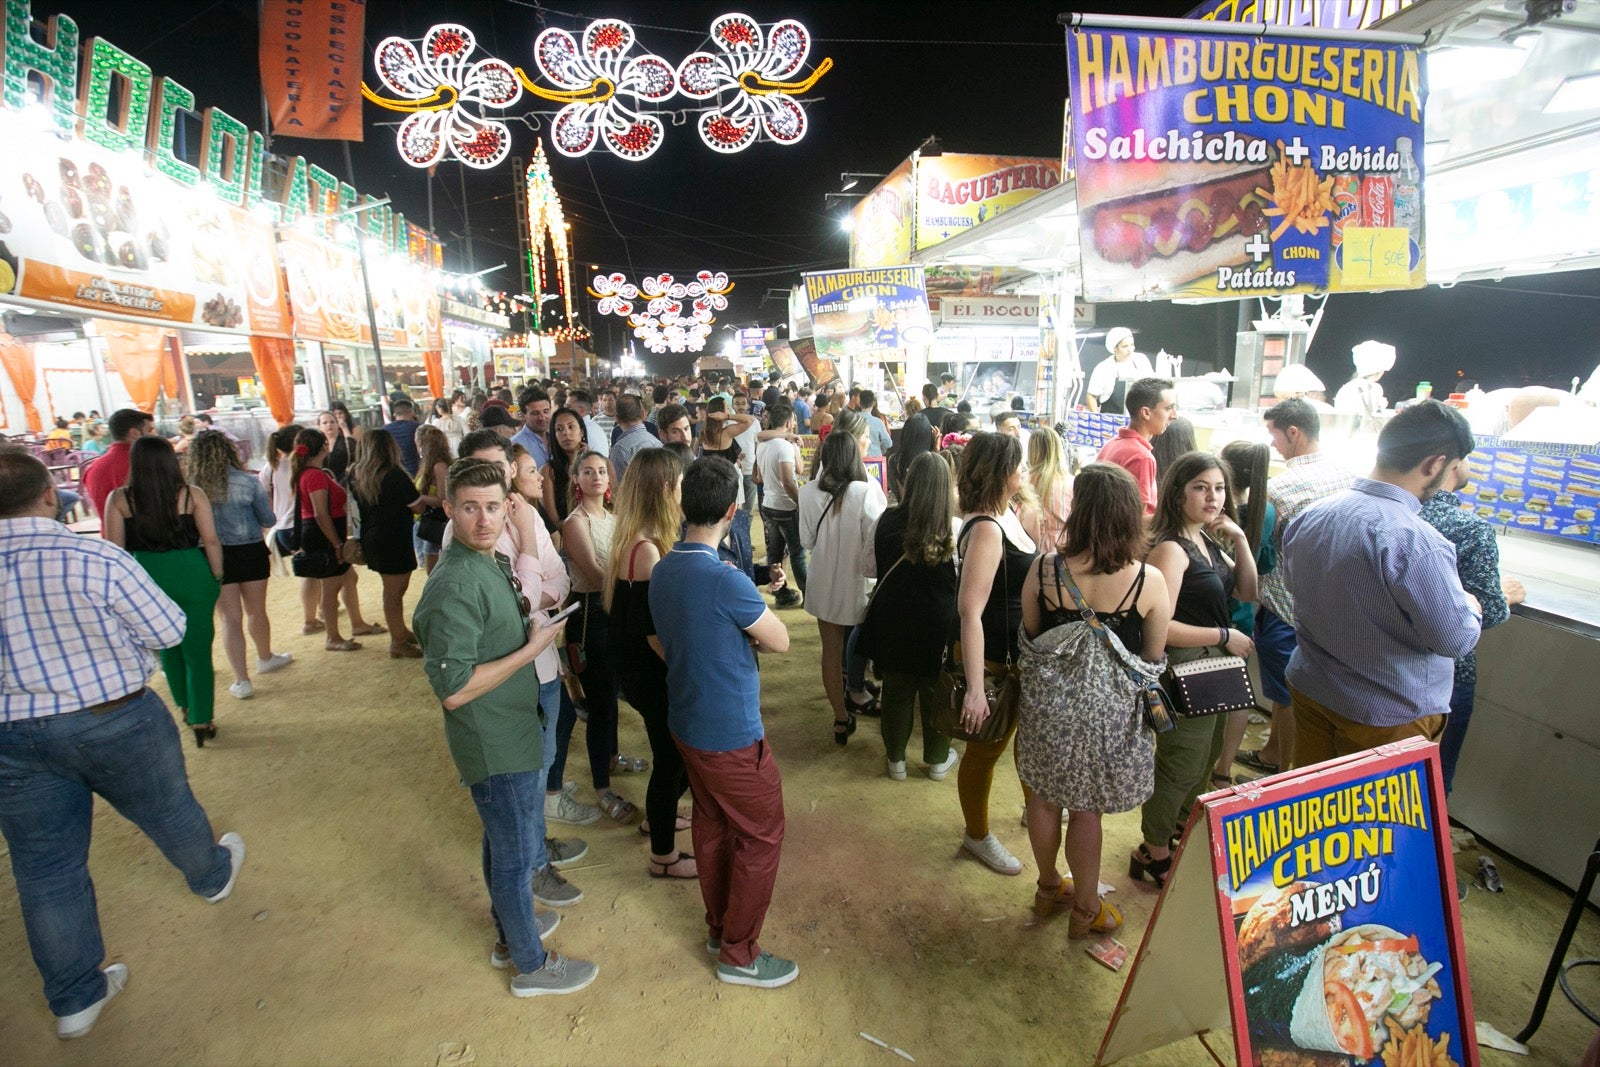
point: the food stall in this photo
(134, 273)
(1510, 189)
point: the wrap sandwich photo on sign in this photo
(1324, 930)
(1212, 164)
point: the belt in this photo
(113, 705)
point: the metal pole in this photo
(366, 285)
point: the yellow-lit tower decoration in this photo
(546, 219)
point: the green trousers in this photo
(1184, 758)
(185, 576)
(900, 693)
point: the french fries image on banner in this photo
(1299, 199)
(1414, 1048)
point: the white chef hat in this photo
(1297, 378)
(1116, 335)
(1372, 357)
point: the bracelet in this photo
(1223, 632)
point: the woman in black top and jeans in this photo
(912, 608)
(1194, 531)
(995, 556)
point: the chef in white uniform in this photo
(1109, 381)
(1362, 395)
(1296, 382)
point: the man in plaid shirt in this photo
(79, 621)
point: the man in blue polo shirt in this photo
(714, 713)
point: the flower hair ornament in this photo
(301, 450)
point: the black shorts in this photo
(245, 563)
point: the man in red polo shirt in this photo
(1150, 408)
(110, 471)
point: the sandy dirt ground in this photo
(359, 932)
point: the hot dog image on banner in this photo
(1221, 165)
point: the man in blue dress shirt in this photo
(1381, 616)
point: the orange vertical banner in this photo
(138, 352)
(274, 357)
(311, 67)
(172, 367)
(433, 363)
(18, 358)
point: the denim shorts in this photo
(1275, 643)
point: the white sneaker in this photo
(564, 807)
(940, 771)
(235, 846)
(278, 662)
(80, 1023)
(242, 690)
(992, 854)
(897, 769)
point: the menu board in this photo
(84, 227)
(1339, 928)
(1545, 488)
(1314, 914)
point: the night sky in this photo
(987, 78)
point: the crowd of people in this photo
(582, 549)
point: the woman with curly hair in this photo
(241, 512)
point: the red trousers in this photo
(738, 835)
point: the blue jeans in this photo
(736, 547)
(50, 770)
(782, 532)
(1455, 730)
(1275, 643)
(750, 495)
(512, 809)
(855, 664)
(66, 501)
(550, 708)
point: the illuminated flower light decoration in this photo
(746, 81)
(435, 84)
(602, 69)
(663, 325)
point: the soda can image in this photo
(1377, 200)
(1346, 205)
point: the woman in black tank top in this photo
(168, 526)
(995, 557)
(1193, 522)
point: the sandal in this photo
(1252, 758)
(1106, 920)
(347, 645)
(619, 809)
(842, 729)
(369, 629)
(673, 868)
(867, 709)
(1047, 900)
(1142, 865)
(313, 627)
(405, 650)
(1221, 781)
(680, 825)
(630, 764)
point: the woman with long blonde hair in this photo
(434, 459)
(241, 512)
(648, 518)
(1045, 517)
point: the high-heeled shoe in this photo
(204, 732)
(1050, 899)
(842, 730)
(1142, 865)
(1104, 921)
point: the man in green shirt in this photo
(478, 649)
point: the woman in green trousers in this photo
(167, 524)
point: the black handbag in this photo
(430, 525)
(313, 561)
(1210, 686)
(1155, 706)
(1002, 686)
